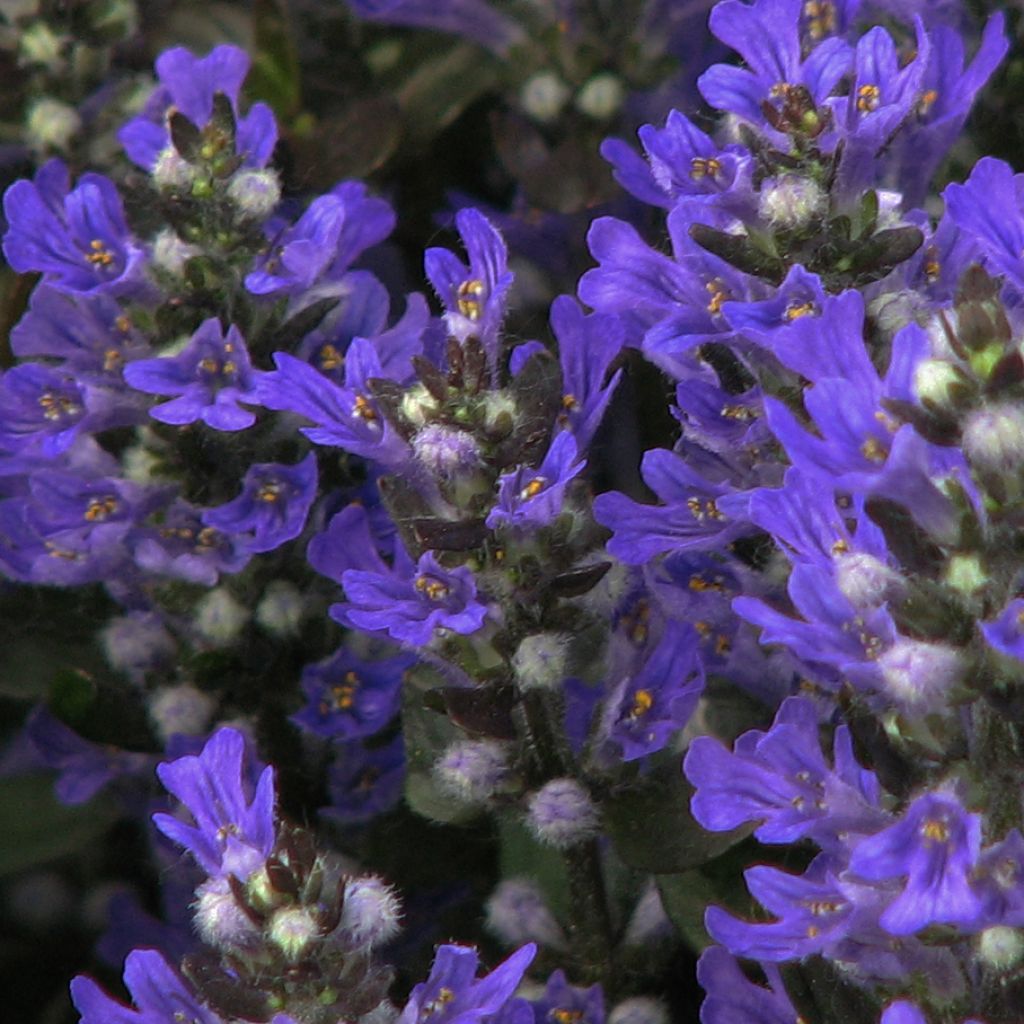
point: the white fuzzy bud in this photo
(371, 915)
(255, 193)
(220, 618)
(137, 642)
(41, 45)
(446, 451)
(170, 253)
(418, 405)
(867, 582)
(544, 95)
(562, 814)
(51, 124)
(541, 661)
(219, 920)
(181, 710)
(172, 170)
(918, 676)
(293, 930)
(281, 609)
(473, 770)
(993, 439)
(517, 913)
(639, 1010)
(791, 202)
(934, 380)
(1000, 947)
(601, 97)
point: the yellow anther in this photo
(821, 19)
(330, 358)
(704, 167)
(434, 589)
(533, 488)
(112, 359)
(363, 409)
(100, 255)
(269, 492)
(565, 1016)
(935, 831)
(926, 102)
(468, 298)
(99, 508)
(570, 402)
(737, 412)
(795, 310)
(932, 266)
(716, 289)
(868, 97)
(643, 701)
(208, 365)
(840, 547)
(873, 450)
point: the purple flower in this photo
(473, 296)
(410, 607)
(1006, 633)
(181, 546)
(83, 767)
(234, 828)
(644, 711)
(365, 781)
(474, 19)
(587, 345)
(453, 994)
(211, 376)
(272, 507)
(766, 34)
(347, 697)
(188, 84)
(697, 513)
(934, 848)
(344, 417)
(564, 1002)
(733, 999)
(159, 994)
(781, 780)
(81, 245)
(531, 498)
(88, 331)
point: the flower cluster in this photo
(735, 683)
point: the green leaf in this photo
(678, 843)
(276, 76)
(685, 897)
(35, 828)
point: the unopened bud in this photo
(445, 451)
(562, 814)
(172, 170)
(220, 618)
(601, 97)
(1000, 947)
(220, 921)
(137, 642)
(371, 913)
(281, 609)
(541, 660)
(255, 193)
(917, 675)
(293, 930)
(867, 582)
(791, 202)
(993, 439)
(937, 383)
(473, 770)
(544, 95)
(639, 1010)
(51, 124)
(170, 253)
(418, 405)
(517, 913)
(41, 45)
(181, 710)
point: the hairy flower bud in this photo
(446, 452)
(561, 814)
(517, 913)
(170, 253)
(601, 97)
(220, 921)
(993, 439)
(473, 770)
(541, 660)
(918, 676)
(543, 96)
(255, 193)
(418, 405)
(51, 124)
(639, 1010)
(791, 202)
(866, 581)
(180, 710)
(371, 913)
(1000, 947)
(220, 618)
(936, 382)
(137, 642)
(293, 930)
(172, 170)
(281, 609)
